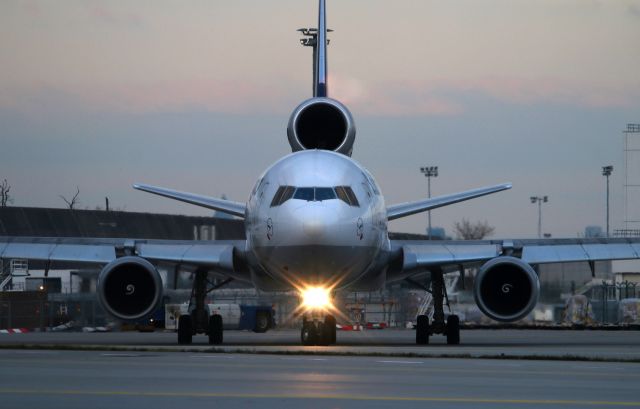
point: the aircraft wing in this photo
(420, 255)
(195, 254)
(407, 209)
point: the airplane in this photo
(316, 222)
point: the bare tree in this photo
(5, 197)
(74, 200)
(466, 230)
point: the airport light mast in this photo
(429, 172)
(539, 200)
(606, 172)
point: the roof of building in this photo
(47, 222)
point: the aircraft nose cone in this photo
(313, 228)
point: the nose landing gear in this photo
(318, 332)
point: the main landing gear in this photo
(450, 327)
(199, 320)
(318, 332)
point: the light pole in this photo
(606, 171)
(539, 200)
(429, 172)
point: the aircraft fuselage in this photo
(317, 218)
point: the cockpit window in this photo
(345, 193)
(288, 194)
(276, 198)
(283, 194)
(304, 193)
(324, 193)
(314, 194)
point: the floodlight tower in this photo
(539, 200)
(606, 172)
(429, 172)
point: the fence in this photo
(605, 299)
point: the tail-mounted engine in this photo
(129, 288)
(321, 123)
(506, 289)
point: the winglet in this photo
(226, 206)
(407, 209)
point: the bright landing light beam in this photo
(316, 298)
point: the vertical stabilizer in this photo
(317, 38)
(320, 54)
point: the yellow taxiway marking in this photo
(319, 396)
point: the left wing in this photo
(420, 255)
(506, 286)
(407, 209)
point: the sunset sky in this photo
(196, 95)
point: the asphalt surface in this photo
(101, 379)
(601, 345)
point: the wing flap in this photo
(426, 255)
(209, 254)
(539, 254)
(82, 253)
(194, 254)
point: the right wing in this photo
(222, 254)
(223, 205)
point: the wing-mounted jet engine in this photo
(129, 288)
(320, 122)
(506, 289)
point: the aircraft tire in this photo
(324, 336)
(215, 329)
(263, 319)
(185, 330)
(330, 327)
(422, 330)
(309, 334)
(453, 330)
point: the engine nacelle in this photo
(321, 123)
(129, 288)
(506, 289)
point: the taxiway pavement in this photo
(100, 379)
(554, 344)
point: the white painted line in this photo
(303, 359)
(213, 356)
(122, 355)
(400, 362)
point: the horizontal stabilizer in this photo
(226, 206)
(407, 209)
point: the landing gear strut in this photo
(318, 332)
(199, 320)
(450, 327)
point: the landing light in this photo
(316, 297)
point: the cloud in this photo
(392, 99)
(634, 10)
(398, 98)
(106, 15)
(549, 90)
(229, 97)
